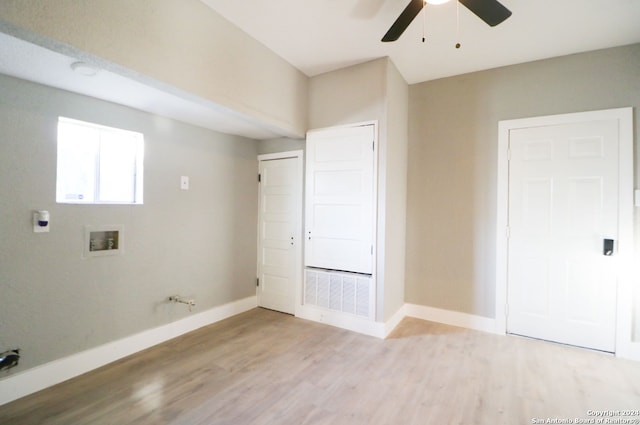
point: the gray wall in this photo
(453, 136)
(199, 243)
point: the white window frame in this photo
(138, 168)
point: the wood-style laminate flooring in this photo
(263, 367)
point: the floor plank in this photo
(263, 367)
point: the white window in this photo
(98, 164)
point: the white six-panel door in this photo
(563, 204)
(339, 209)
(279, 232)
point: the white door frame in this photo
(625, 244)
(298, 154)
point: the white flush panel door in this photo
(563, 204)
(340, 210)
(279, 246)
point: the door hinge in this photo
(509, 154)
(506, 309)
(371, 249)
(257, 281)
(259, 177)
(508, 232)
(373, 145)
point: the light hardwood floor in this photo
(263, 367)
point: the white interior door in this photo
(339, 224)
(279, 232)
(563, 204)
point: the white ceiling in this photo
(324, 35)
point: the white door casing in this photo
(340, 208)
(564, 191)
(279, 231)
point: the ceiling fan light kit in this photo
(491, 12)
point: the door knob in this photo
(607, 248)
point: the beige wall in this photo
(453, 134)
(282, 144)
(348, 95)
(199, 243)
(179, 43)
(393, 209)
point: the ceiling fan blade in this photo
(403, 21)
(490, 11)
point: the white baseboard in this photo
(395, 320)
(454, 318)
(382, 330)
(341, 320)
(40, 377)
(634, 352)
(630, 351)
(351, 323)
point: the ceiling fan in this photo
(490, 11)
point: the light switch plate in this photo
(184, 182)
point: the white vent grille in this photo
(340, 291)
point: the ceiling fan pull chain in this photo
(424, 23)
(458, 23)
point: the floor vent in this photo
(350, 293)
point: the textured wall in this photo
(453, 139)
(199, 243)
